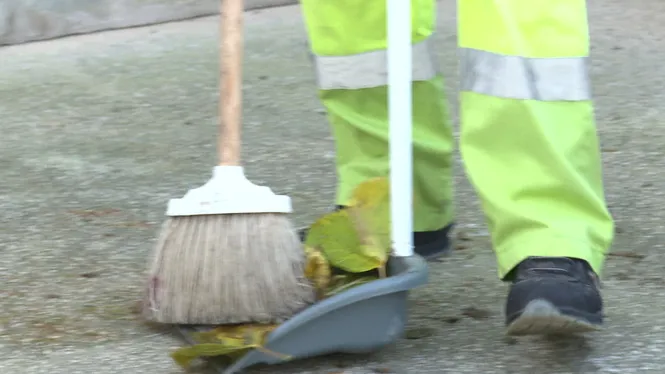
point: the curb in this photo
(23, 21)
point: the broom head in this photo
(227, 254)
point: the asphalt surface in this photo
(99, 131)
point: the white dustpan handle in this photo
(399, 113)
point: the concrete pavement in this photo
(99, 131)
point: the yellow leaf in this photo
(336, 236)
(369, 207)
(372, 192)
(317, 270)
(184, 356)
(338, 280)
(345, 282)
(246, 334)
(232, 341)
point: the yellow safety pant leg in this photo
(528, 137)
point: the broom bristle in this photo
(227, 269)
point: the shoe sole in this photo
(540, 317)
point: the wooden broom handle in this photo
(230, 95)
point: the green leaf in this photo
(336, 236)
(357, 238)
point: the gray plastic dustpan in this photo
(360, 320)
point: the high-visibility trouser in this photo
(528, 136)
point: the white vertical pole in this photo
(401, 129)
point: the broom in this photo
(228, 253)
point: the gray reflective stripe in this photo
(369, 69)
(514, 77)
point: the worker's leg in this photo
(348, 41)
(530, 148)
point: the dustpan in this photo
(371, 316)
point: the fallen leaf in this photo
(345, 282)
(357, 239)
(184, 356)
(317, 270)
(246, 334)
(335, 235)
(369, 206)
(228, 340)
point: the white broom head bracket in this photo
(229, 192)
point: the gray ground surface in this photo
(99, 131)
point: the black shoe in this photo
(433, 244)
(552, 296)
(428, 244)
